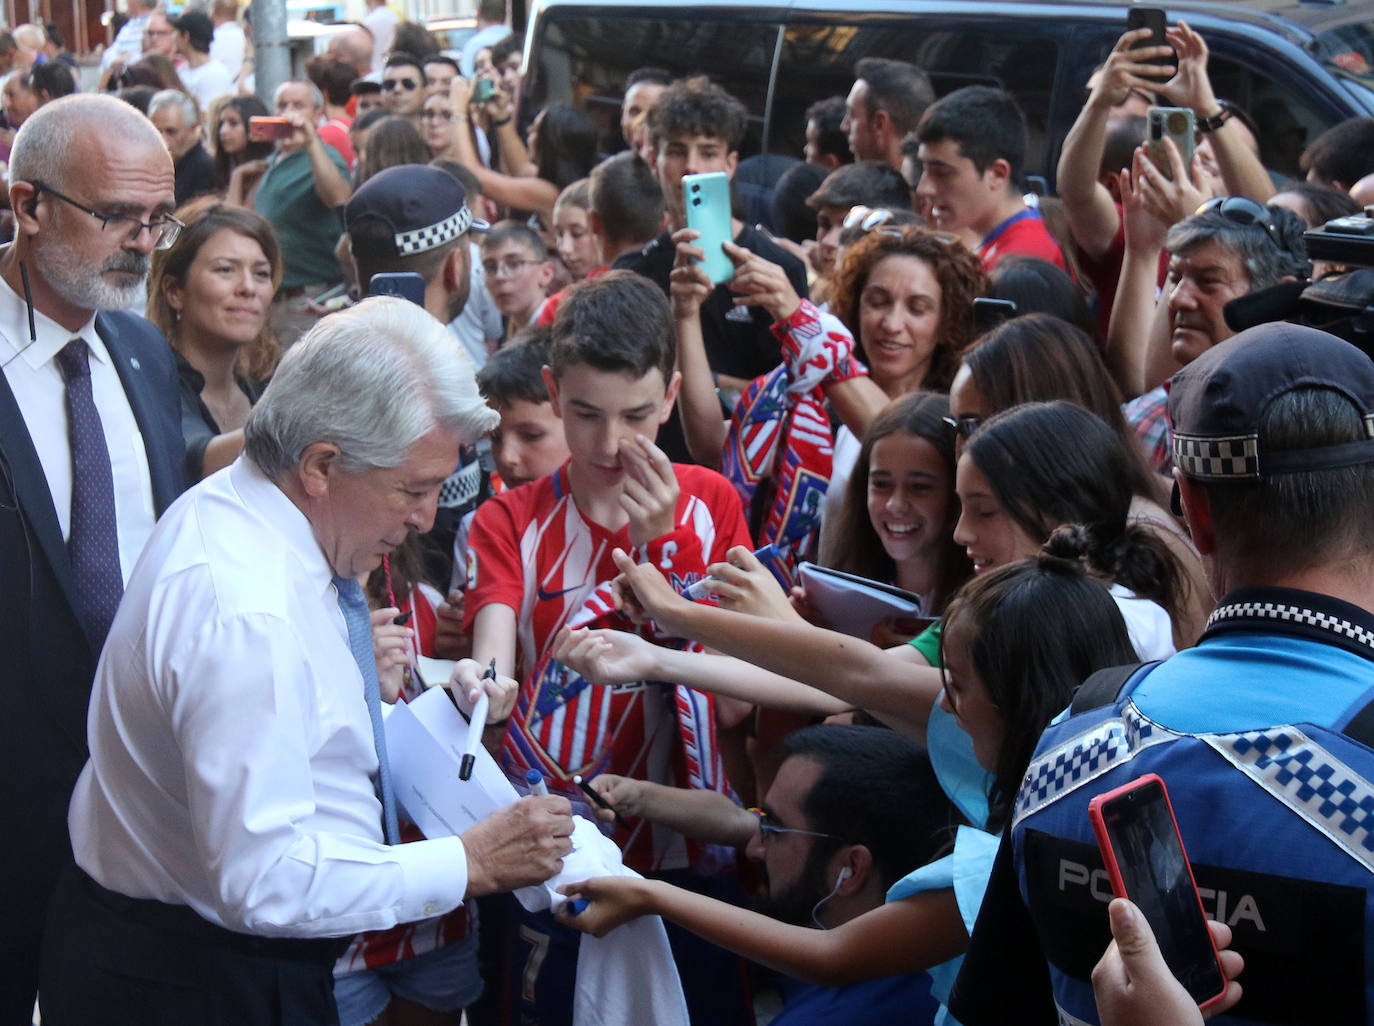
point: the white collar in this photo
(262, 495)
(51, 336)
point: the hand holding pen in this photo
(477, 723)
(719, 572)
(600, 802)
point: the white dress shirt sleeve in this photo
(280, 821)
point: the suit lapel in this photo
(31, 489)
(139, 390)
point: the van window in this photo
(586, 54)
(818, 61)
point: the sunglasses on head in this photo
(866, 218)
(1245, 211)
(405, 83)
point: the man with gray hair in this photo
(228, 834)
(174, 114)
(305, 185)
(90, 452)
(1231, 247)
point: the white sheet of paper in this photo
(424, 744)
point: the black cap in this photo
(198, 27)
(1217, 401)
(360, 86)
(409, 209)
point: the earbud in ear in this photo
(845, 874)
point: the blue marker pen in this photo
(534, 780)
(698, 590)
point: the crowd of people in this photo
(298, 400)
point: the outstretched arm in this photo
(618, 657)
(1239, 165)
(898, 937)
(694, 812)
(703, 424)
(848, 668)
(1093, 217)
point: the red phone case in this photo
(1104, 844)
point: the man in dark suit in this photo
(90, 453)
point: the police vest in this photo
(1264, 736)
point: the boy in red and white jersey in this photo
(540, 559)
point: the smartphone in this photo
(988, 313)
(1152, 18)
(405, 284)
(483, 91)
(1140, 844)
(1174, 123)
(269, 129)
(706, 198)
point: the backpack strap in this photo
(1361, 726)
(1106, 685)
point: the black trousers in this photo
(113, 960)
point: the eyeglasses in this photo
(963, 426)
(769, 828)
(408, 84)
(1245, 211)
(866, 218)
(436, 115)
(164, 230)
(507, 267)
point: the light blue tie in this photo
(359, 621)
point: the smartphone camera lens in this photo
(696, 201)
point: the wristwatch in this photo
(1224, 114)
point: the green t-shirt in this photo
(928, 643)
(307, 230)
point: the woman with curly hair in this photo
(903, 300)
(906, 294)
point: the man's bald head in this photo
(44, 148)
(353, 46)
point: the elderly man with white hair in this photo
(235, 824)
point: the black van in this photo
(1297, 68)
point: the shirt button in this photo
(430, 908)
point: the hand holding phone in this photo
(706, 200)
(1138, 836)
(1154, 19)
(1176, 123)
(269, 129)
(483, 90)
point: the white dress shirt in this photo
(231, 748)
(36, 381)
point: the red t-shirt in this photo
(1022, 234)
(334, 132)
(548, 309)
(531, 549)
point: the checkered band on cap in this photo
(420, 240)
(1225, 459)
